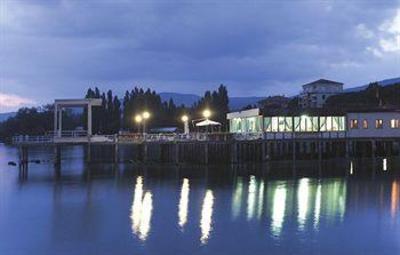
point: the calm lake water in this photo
(330, 208)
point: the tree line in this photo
(117, 113)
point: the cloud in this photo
(59, 48)
(386, 35)
(391, 39)
(364, 32)
(9, 102)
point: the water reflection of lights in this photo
(351, 168)
(394, 201)
(137, 204)
(206, 216)
(278, 210)
(260, 199)
(384, 164)
(302, 201)
(317, 209)
(141, 210)
(237, 198)
(251, 198)
(183, 203)
(147, 208)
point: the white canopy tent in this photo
(207, 122)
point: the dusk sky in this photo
(57, 49)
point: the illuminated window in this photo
(365, 124)
(267, 124)
(274, 124)
(353, 124)
(250, 124)
(342, 121)
(322, 123)
(281, 124)
(288, 124)
(236, 125)
(329, 123)
(297, 124)
(314, 124)
(306, 124)
(379, 123)
(394, 123)
(335, 123)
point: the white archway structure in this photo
(59, 104)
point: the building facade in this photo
(373, 124)
(352, 124)
(315, 94)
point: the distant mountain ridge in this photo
(5, 116)
(386, 82)
(235, 103)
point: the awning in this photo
(205, 123)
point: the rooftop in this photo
(323, 81)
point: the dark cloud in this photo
(59, 48)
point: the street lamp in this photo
(146, 116)
(138, 120)
(185, 120)
(206, 113)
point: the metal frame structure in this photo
(59, 104)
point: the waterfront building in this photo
(315, 94)
(247, 121)
(373, 123)
(382, 123)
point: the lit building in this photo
(247, 121)
(315, 93)
(382, 123)
(252, 121)
(379, 123)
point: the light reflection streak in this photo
(147, 208)
(302, 202)
(317, 209)
(251, 198)
(237, 198)
(141, 210)
(351, 168)
(206, 216)
(183, 203)
(384, 164)
(278, 210)
(394, 201)
(260, 199)
(137, 204)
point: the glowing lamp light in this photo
(146, 115)
(138, 119)
(185, 118)
(206, 113)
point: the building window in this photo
(267, 124)
(274, 124)
(394, 123)
(379, 123)
(341, 121)
(365, 124)
(353, 124)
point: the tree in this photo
(217, 101)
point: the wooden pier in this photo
(210, 148)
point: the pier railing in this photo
(173, 137)
(32, 139)
(68, 133)
(81, 137)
